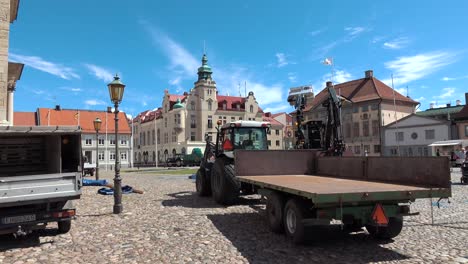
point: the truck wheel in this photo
(393, 229)
(294, 213)
(274, 212)
(178, 163)
(224, 188)
(202, 184)
(64, 226)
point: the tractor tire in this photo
(274, 212)
(393, 229)
(64, 226)
(225, 188)
(294, 213)
(202, 183)
(178, 163)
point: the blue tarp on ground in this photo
(109, 191)
(87, 182)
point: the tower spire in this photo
(204, 72)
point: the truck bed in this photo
(345, 179)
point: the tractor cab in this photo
(249, 135)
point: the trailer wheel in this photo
(64, 226)
(91, 173)
(223, 186)
(274, 212)
(294, 213)
(393, 229)
(202, 184)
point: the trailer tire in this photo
(91, 173)
(64, 226)
(274, 212)
(202, 183)
(393, 229)
(294, 213)
(224, 189)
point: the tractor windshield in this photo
(252, 138)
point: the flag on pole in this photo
(328, 61)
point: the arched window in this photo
(159, 137)
(251, 109)
(224, 105)
(210, 106)
(192, 105)
(154, 156)
(184, 151)
(173, 152)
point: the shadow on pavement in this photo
(192, 200)
(253, 239)
(447, 224)
(31, 240)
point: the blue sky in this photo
(72, 48)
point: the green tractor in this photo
(216, 176)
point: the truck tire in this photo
(178, 163)
(202, 183)
(393, 229)
(294, 213)
(64, 226)
(274, 212)
(224, 188)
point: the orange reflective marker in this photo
(379, 216)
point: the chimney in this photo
(268, 114)
(431, 105)
(57, 108)
(448, 105)
(458, 102)
(329, 84)
(466, 98)
(369, 74)
(109, 109)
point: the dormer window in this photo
(251, 109)
(224, 105)
(238, 106)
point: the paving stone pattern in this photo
(170, 224)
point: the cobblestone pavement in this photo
(170, 224)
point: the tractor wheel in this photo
(64, 226)
(393, 229)
(202, 183)
(178, 163)
(274, 212)
(294, 213)
(224, 186)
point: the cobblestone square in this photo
(169, 223)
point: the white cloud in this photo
(38, 92)
(292, 77)
(446, 93)
(401, 91)
(316, 32)
(397, 43)
(339, 76)
(282, 61)
(175, 81)
(353, 32)
(411, 68)
(378, 39)
(448, 79)
(422, 98)
(94, 102)
(100, 72)
(38, 63)
(72, 89)
(278, 109)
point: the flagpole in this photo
(107, 154)
(396, 118)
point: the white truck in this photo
(40, 175)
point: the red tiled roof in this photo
(83, 118)
(361, 90)
(24, 118)
(270, 119)
(231, 102)
(148, 115)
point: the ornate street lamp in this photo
(97, 126)
(116, 90)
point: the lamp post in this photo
(97, 126)
(116, 90)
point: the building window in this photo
(365, 128)
(375, 127)
(269, 143)
(399, 136)
(192, 121)
(240, 118)
(123, 155)
(224, 105)
(159, 137)
(277, 143)
(238, 106)
(233, 119)
(123, 140)
(154, 136)
(374, 106)
(357, 149)
(112, 140)
(366, 149)
(277, 132)
(101, 156)
(224, 120)
(430, 134)
(166, 138)
(251, 109)
(210, 106)
(466, 131)
(192, 136)
(174, 137)
(269, 131)
(177, 119)
(210, 121)
(192, 105)
(356, 132)
(376, 148)
(112, 156)
(365, 108)
(101, 141)
(88, 141)
(209, 91)
(355, 109)
(165, 122)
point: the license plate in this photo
(18, 219)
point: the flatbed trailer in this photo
(302, 188)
